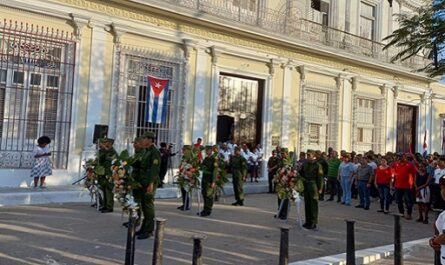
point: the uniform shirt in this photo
(440, 225)
(438, 174)
(225, 154)
(259, 154)
(404, 175)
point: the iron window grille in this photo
(36, 89)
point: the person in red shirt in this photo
(198, 146)
(382, 181)
(404, 174)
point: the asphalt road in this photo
(77, 234)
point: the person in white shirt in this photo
(259, 153)
(439, 173)
(225, 152)
(437, 242)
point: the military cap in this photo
(137, 139)
(148, 135)
(310, 151)
(237, 148)
(284, 149)
(107, 140)
(187, 146)
(208, 147)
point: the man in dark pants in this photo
(324, 164)
(312, 174)
(166, 153)
(106, 155)
(272, 167)
(333, 183)
(208, 181)
(239, 172)
(150, 178)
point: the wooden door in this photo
(406, 128)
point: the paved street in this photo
(77, 234)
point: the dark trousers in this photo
(436, 198)
(270, 176)
(364, 194)
(385, 197)
(162, 173)
(334, 188)
(283, 210)
(405, 195)
(185, 199)
(208, 195)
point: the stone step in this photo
(77, 193)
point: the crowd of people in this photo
(401, 177)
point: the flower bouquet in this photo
(288, 183)
(221, 175)
(188, 174)
(124, 183)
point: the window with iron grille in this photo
(250, 5)
(136, 72)
(368, 118)
(33, 64)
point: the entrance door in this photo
(406, 128)
(239, 109)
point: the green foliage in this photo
(421, 32)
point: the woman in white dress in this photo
(42, 166)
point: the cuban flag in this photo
(157, 96)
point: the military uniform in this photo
(312, 174)
(283, 204)
(105, 157)
(238, 165)
(149, 168)
(137, 165)
(208, 178)
(186, 202)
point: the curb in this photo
(364, 256)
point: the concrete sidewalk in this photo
(77, 193)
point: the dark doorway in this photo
(406, 128)
(239, 109)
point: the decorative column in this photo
(346, 113)
(78, 22)
(199, 105)
(285, 104)
(96, 87)
(186, 136)
(394, 109)
(301, 70)
(214, 93)
(352, 110)
(267, 118)
(384, 117)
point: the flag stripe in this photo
(157, 96)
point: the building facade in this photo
(298, 73)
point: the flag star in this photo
(158, 85)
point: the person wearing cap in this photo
(208, 181)
(106, 155)
(437, 242)
(239, 171)
(185, 196)
(150, 161)
(312, 174)
(136, 166)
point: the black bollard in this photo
(398, 255)
(130, 248)
(350, 243)
(284, 246)
(159, 238)
(197, 250)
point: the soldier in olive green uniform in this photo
(208, 181)
(150, 168)
(312, 174)
(106, 155)
(239, 171)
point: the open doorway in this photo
(239, 109)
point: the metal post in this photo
(130, 247)
(159, 238)
(436, 232)
(197, 250)
(284, 246)
(350, 242)
(398, 256)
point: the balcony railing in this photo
(290, 24)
